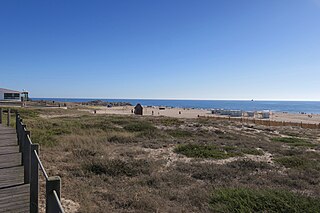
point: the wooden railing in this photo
(31, 162)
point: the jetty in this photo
(19, 170)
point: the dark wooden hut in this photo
(138, 109)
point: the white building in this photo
(265, 114)
(232, 113)
(9, 95)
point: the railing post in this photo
(1, 111)
(34, 183)
(18, 127)
(8, 120)
(21, 136)
(26, 157)
(52, 184)
(17, 121)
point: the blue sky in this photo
(166, 49)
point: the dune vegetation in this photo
(111, 163)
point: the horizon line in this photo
(182, 99)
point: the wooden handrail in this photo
(31, 162)
(38, 161)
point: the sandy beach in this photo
(194, 113)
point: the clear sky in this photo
(167, 49)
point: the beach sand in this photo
(194, 113)
(296, 118)
(157, 111)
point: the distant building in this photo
(248, 114)
(262, 114)
(9, 95)
(138, 109)
(13, 95)
(231, 113)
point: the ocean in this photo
(276, 106)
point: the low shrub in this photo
(139, 127)
(293, 141)
(261, 200)
(43, 138)
(293, 162)
(178, 133)
(207, 151)
(170, 121)
(213, 151)
(252, 151)
(121, 137)
(117, 167)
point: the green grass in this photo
(169, 121)
(293, 141)
(120, 120)
(43, 138)
(298, 162)
(263, 200)
(139, 126)
(213, 151)
(178, 133)
(291, 162)
(206, 151)
(117, 167)
(46, 131)
(28, 113)
(252, 151)
(120, 138)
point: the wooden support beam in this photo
(1, 112)
(52, 184)
(34, 183)
(8, 119)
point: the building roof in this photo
(2, 90)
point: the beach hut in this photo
(248, 114)
(217, 111)
(265, 114)
(138, 109)
(235, 113)
(224, 112)
(9, 95)
(262, 114)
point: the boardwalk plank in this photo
(11, 177)
(11, 191)
(14, 194)
(8, 131)
(10, 160)
(9, 150)
(7, 136)
(12, 207)
(9, 142)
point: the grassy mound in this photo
(212, 151)
(117, 167)
(139, 127)
(293, 141)
(177, 133)
(267, 200)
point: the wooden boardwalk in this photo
(14, 194)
